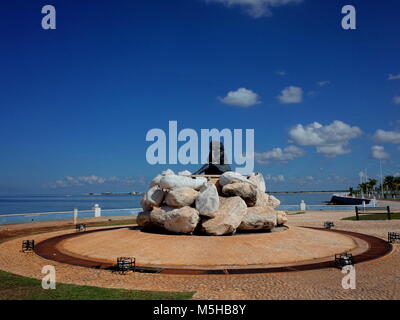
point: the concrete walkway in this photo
(378, 279)
(395, 205)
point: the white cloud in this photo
(92, 180)
(281, 73)
(242, 97)
(88, 180)
(378, 152)
(324, 83)
(337, 179)
(333, 150)
(387, 136)
(256, 8)
(278, 178)
(396, 100)
(394, 76)
(329, 140)
(291, 95)
(278, 154)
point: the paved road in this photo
(391, 204)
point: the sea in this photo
(16, 208)
(34, 203)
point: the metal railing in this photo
(82, 214)
(63, 215)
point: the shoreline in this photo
(302, 192)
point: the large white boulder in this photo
(281, 218)
(158, 216)
(246, 191)
(145, 205)
(227, 218)
(207, 202)
(233, 202)
(259, 218)
(262, 199)
(143, 219)
(183, 220)
(173, 182)
(258, 180)
(185, 173)
(232, 177)
(272, 201)
(152, 198)
(178, 220)
(157, 179)
(181, 197)
(167, 172)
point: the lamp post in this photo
(380, 164)
(75, 216)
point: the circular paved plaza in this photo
(376, 279)
(292, 246)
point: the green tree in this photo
(397, 183)
(363, 187)
(389, 183)
(371, 184)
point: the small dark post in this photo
(357, 217)
(80, 227)
(125, 264)
(388, 212)
(328, 224)
(393, 237)
(28, 245)
(344, 259)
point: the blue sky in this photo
(76, 102)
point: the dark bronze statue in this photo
(216, 160)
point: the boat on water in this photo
(348, 199)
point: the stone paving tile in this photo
(378, 279)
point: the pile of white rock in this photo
(180, 203)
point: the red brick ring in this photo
(48, 249)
